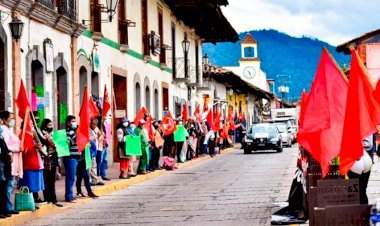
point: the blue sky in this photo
(332, 21)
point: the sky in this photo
(332, 21)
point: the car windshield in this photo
(281, 127)
(263, 128)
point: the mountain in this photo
(280, 54)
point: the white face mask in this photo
(12, 123)
(74, 125)
(125, 124)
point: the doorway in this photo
(165, 99)
(120, 94)
(62, 108)
(38, 91)
(82, 83)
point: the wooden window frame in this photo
(123, 25)
(96, 16)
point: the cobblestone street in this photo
(230, 189)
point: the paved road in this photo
(231, 189)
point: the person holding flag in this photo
(139, 131)
(124, 129)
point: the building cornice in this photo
(38, 12)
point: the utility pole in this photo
(283, 88)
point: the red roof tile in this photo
(248, 39)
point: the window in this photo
(144, 23)
(249, 52)
(138, 98)
(173, 51)
(147, 98)
(161, 33)
(95, 15)
(156, 103)
(123, 25)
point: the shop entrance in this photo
(120, 94)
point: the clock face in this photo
(249, 72)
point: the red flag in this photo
(241, 117)
(206, 100)
(83, 133)
(140, 115)
(168, 125)
(106, 102)
(197, 113)
(26, 135)
(209, 117)
(185, 112)
(303, 105)
(230, 119)
(361, 117)
(93, 109)
(149, 128)
(323, 115)
(22, 101)
(216, 125)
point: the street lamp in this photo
(185, 47)
(206, 59)
(111, 8)
(16, 26)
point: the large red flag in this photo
(106, 102)
(323, 115)
(93, 109)
(185, 112)
(361, 117)
(216, 125)
(140, 115)
(231, 120)
(168, 125)
(22, 101)
(26, 135)
(302, 106)
(197, 113)
(83, 133)
(209, 117)
(148, 127)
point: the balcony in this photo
(180, 70)
(67, 8)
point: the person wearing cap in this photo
(123, 129)
(139, 131)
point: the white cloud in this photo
(334, 21)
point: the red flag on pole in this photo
(93, 109)
(185, 112)
(303, 105)
(106, 102)
(361, 117)
(230, 119)
(323, 115)
(216, 125)
(26, 135)
(197, 113)
(22, 101)
(83, 133)
(148, 127)
(209, 117)
(168, 125)
(140, 115)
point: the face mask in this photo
(49, 130)
(74, 125)
(125, 124)
(12, 123)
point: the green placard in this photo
(39, 91)
(133, 145)
(87, 156)
(41, 113)
(180, 134)
(61, 144)
(62, 113)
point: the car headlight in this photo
(247, 140)
(274, 139)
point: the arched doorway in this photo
(82, 83)
(147, 98)
(62, 97)
(156, 103)
(137, 98)
(38, 90)
(95, 84)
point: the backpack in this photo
(169, 163)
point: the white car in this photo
(287, 137)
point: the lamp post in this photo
(16, 27)
(111, 8)
(185, 47)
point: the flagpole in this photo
(336, 64)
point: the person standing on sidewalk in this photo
(102, 155)
(83, 174)
(13, 144)
(5, 174)
(157, 146)
(139, 131)
(97, 138)
(123, 129)
(71, 162)
(50, 163)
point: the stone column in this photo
(16, 76)
(74, 77)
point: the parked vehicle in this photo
(286, 136)
(262, 136)
(290, 126)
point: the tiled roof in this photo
(248, 39)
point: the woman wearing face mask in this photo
(123, 129)
(13, 143)
(71, 161)
(50, 162)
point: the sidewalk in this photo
(110, 186)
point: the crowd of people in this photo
(35, 166)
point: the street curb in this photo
(101, 191)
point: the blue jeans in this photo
(10, 184)
(102, 162)
(71, 165)
(82, 173)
